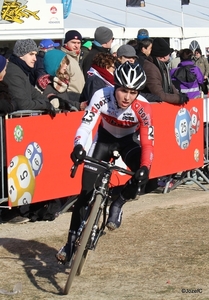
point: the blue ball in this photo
(183, 128)
(34, 154)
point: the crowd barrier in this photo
(35, 153)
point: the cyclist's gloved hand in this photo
(183, 98)
(50, 109)
(141, 175)
(78, 154)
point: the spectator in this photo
(85, 48)
(103, 38)
(100, 75)
(38, 71)
(6, 104)
(186, 77)
(132, 43)
(144, 47)
(126, 53)
(142, 34)
(114, 49)
(56, 66)
(20, 64)
(158, 77)
(202, 62)
(72, 47)
(175, 60)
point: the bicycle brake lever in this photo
(73, 170)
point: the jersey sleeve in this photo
(146, 131)
(89, 120)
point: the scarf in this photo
(72, 52)
(105, 74)
(167, 85)
(21, 63)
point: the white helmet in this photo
(130, 76)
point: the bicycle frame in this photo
(90, 231)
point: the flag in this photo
(135, 3)
(185, 2)
(66, 7)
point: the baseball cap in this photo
(142, 34)
(47, 43)
(127, 51)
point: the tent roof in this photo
(162, 18)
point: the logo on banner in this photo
(187, 123)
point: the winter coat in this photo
(87, 63)
(202, 63)
(191, 88)
(93, 83)
(154, 83)
(76, 75)
(21, 90)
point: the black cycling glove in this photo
(141, 176)
(78, 154)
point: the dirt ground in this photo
(161, 251)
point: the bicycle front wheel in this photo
(78, 255)
(82, 262)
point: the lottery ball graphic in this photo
(18, 133)
(183, 128)
(34, 154)
(195, 119)
(21, 181)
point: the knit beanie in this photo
(103, 35)
(52, 61)
(3, 63)
(23, 47)
(198, 50)
(72, 35)
(160, 48)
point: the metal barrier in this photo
(3, 175)
(186, 176)
(63, 122)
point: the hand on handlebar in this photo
(141, 175)
(78, 154)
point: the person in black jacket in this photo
(6, 104)
(20, 64)
(103, 38)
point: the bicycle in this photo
(92, 227)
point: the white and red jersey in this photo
(119, 122)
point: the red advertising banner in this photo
(38, 150)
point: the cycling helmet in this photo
(130, 76)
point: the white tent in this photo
(162, 18)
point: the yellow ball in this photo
(21, 181)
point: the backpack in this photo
(184, 74)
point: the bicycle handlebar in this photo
(108, 165)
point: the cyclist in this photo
(126, 123)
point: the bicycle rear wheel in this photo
(78, 255)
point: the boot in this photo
(115, 213)
(65, 253)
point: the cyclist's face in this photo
(125, 97)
